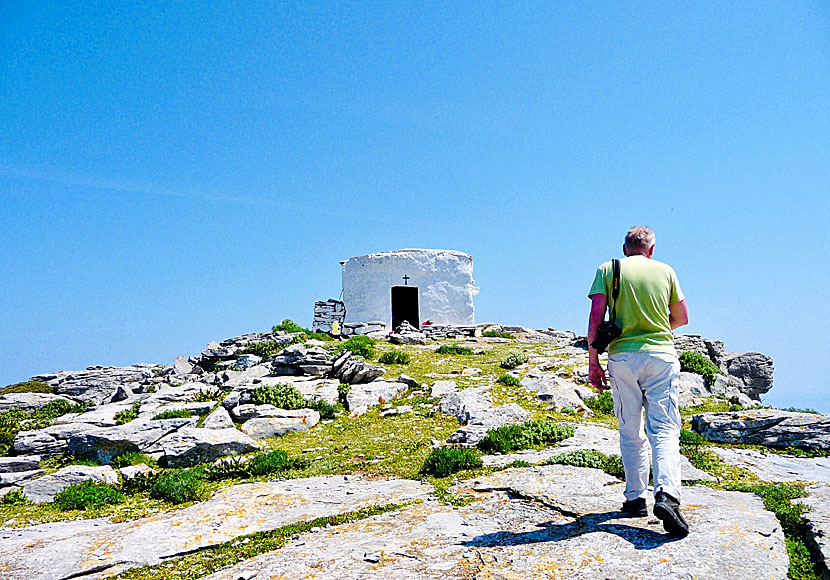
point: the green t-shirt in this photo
(647, 287)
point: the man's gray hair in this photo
(639, 238)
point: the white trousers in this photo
(642, 380)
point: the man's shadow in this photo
(605, 522)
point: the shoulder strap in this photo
(615, 288)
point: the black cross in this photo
(406, 279)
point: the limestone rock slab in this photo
(218, 419)
(192, 445)
(509, 535)
(104, 443)
(375, 393)
(774, 467)
(19, 463)
(93, 548)
(48, 442)
(765, 427)
(279, 423)
(818, 521)
(28, 402)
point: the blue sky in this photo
(176, 174)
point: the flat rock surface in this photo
(818, 520)
(98, 548)
(774, 467)
(551, 522)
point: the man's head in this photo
(639, 241)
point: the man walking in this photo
(644, 373)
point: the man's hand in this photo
(596, 376)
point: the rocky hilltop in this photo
(467, 452)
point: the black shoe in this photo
(636, 508)
(667, 509)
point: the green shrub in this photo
(174, 414)
(445, 461)
(360, 345)
(205, 396)
(524, 436)
(496, 334)
(139, 483)
(88, 495)
(798, 410)
(453, 349)
(394, 357)
(513, 360)
(265, 464)
(128, 415)
(180, 486)
(319, 336)
(342, 392)
(610, 464)
(288, 325)
(14, 497)
(692, 439)
(282, 396)
(265, 348)
(326, 409)
(692, 362)
(509, 380)
(601, 403)
(131, 458)
(517, 463)
(27, 387)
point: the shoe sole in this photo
(641, 514)
(671, 522)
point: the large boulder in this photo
(558, 392)
(48, 442)
(279, 423)
(765, 427)
(466, 404)
(192, 445)
(351, 369)
(366, 395)
(97, 384)
(20, 463)
(218, 419)
(708, 347)
(299, 360)
(44, 489)
(479, 424)
(103, 443)
(753, 369)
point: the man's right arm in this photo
(678, 314)
(596, 375)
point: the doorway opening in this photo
(405, 306)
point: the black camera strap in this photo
(615, 288)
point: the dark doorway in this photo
(405, 306)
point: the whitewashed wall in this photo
(444, 279)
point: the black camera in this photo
(606, 332)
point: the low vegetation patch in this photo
(509, 381)
(88, 495)
(360, 345)
(454, 349)
(131, 458)
(513, 360)
(610, 464)
(14, 497)
(128, 415)
(206, 396)
(271, 463)
(497, 334)
(394, 357)
(524, 436)
(445, 461)
(327, 410)
(265, 349)
(692, 362)
(798, 410)
(179, 486)
(281, 396)
(343, 392)
(27, 387)
(601, 403)
(174, 414)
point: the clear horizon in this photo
(175, 175)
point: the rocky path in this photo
(98, 548)
(540, 522)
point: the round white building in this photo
(415, 285)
